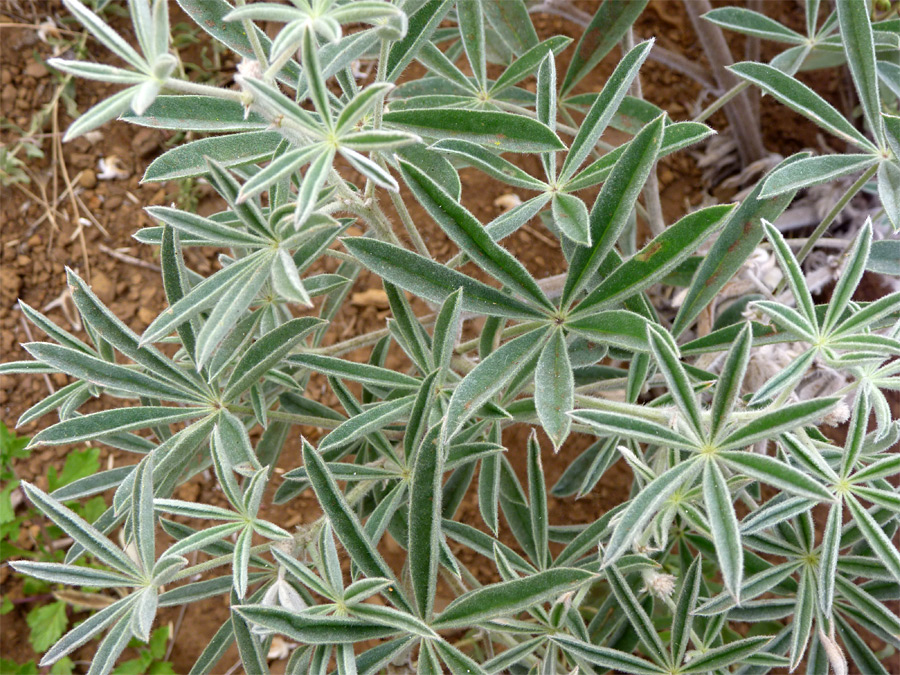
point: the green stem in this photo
(511, 331)
(253, 38)
(723, 100)
(829, 218)
(306, 420)
(188, 87)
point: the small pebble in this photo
(88, 179)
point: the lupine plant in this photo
(750, 541)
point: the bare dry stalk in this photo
(740, 110)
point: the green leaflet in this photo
(748, 22)
(498, 130)
(613, 206)
(770, 424)
(488, 378)
(373, 419)
(87, 427)
(610, 424)
(615, 327)
(859, 46)
(312, 628)
(814, 170)
(725, 530)
(266, 353)
(554, 394)
(184, 161)
(644, 507)
(802, 99)
(425, 521)
(196, 113)
(603, 108)
(433, 281)
(610, 659)
(464, 229)
(511, 21)
(509, 597)
(657, 258)
(606, 28)
(345, 524)
(422, 24)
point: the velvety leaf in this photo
(554, 394)
(432, 281)
(509, 597)
(189, 159)
(801, 99)
(488, 377)
(725, 530)
(659, 257)
(609, 23)
(499, 130)
(465, 230)
(613, 206)
(425, 521)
